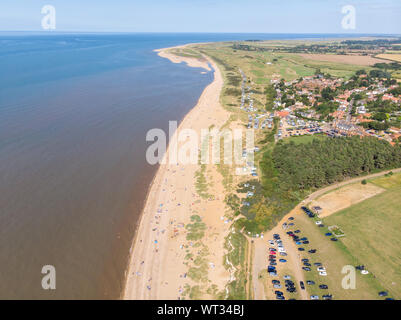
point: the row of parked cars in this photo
(289, 285)
(274, 253)
(307, 265)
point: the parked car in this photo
(301, 249)
(328, 234)
(334, 239)
(323, 287)
(314, 297)
(301, 283)
(312, 251)
(383, 294)
(327, 297)
(287, 277)
(306, 268)
(283, 260)
(310, 282)
(323, 273)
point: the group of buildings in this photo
(301, 118)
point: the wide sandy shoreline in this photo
(156, 269)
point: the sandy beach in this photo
(158, 267)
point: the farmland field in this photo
(351, 59)
(389, 56)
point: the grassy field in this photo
(305, 139)
(372, 233)
(333, 256)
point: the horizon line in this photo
(200, 32)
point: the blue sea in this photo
(74, 112)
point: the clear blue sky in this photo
(266, 16)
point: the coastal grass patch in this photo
(201, 184)
(196, 229)
(236, 262)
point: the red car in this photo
(272, 252)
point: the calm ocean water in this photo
(74, 112)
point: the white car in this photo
(281, 249)
(314, 297)
(321, 269)
(365, 272)
(318, 223)
(323, 273)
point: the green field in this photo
(333, 256)
(371, 229)
(305, 139)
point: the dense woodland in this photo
(322, 162)
(292, 171)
